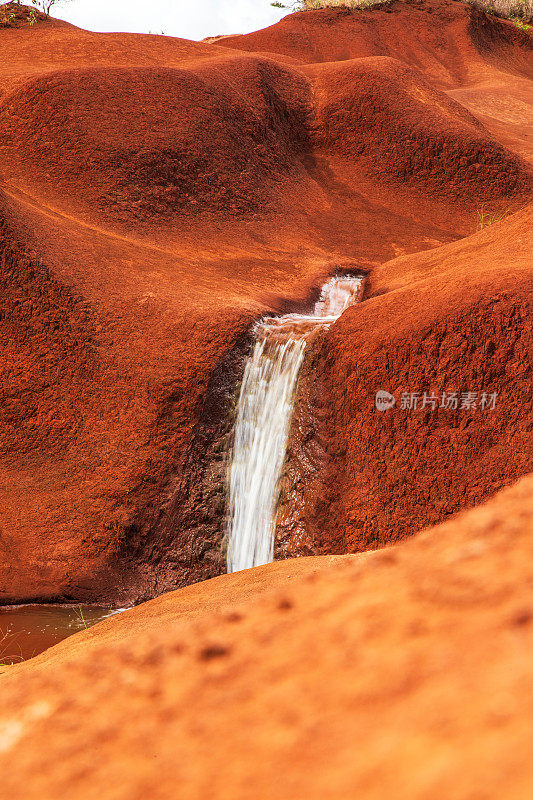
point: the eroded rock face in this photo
(300, 675)
(455, 320)
(157, 196)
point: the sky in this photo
(188, 19)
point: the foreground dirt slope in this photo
(406, 674)
(456, 319)
(194, 602)
(157, 195)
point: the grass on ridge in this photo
(520, 12)
(486, 218)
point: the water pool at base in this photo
(26, 631)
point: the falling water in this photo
(264, 414)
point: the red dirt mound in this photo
(157, 195)
(484, 62)
(454, 320)
(51, 45)
(79, 147)
(405, 674)
(13, 15)
(449, 41)
(106, 371)
(132, 143)
(384, 116)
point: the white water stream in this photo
(264, 414)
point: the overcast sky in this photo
(189, 19)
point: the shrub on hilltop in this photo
(16, 15)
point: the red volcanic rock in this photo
(157, 195)
(454, 319)
(105, 370)
(120, 140)
(404, 673)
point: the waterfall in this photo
(264, 413)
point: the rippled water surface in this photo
(26, 631)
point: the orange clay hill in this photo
(156, 197)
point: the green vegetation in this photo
(16, 14)
(520, 12)
(81, 617)
(486, 218)
(524, 26)
(7, 17)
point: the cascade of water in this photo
(263, 421)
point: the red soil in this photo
(483, 62)
(399, 674)
(155, 196)
(458, 318)
(450, 43)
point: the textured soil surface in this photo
(157, 195)
(452, 322)
(404, 673)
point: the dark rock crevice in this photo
(180, 539)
